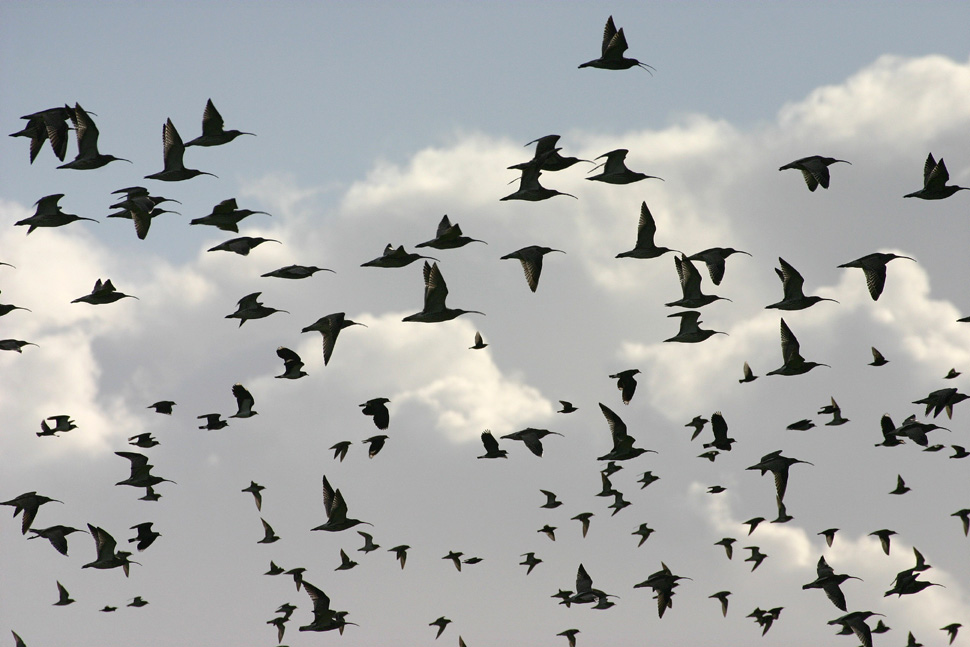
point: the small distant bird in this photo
(455, 557)
(336, 509)
(720, 428)
(855, 622)
(715, 259)
(440, 623)
(662, 582)
(883, 536)
(376, 445)
(935, 178)
(567, 407)
(709, 455)
(551, 500)
(292, 364)
(618, 503)
(716, 489)
(145, 536)
(213, 421)
(102, 293)
(748, 375)
(529, 188)
(345, 562)
(249, 307)
(626, 383)
(173, 150)
(268, 535)
(244, 402)
(137, 602)
(369, 544)
(531, 259)
(530, 560)
(548, 531)
(794, 363)
(953, 627)
(107, 609)
(547, 157)
(723, 597)
(766, 618)
(874, 267)
(329, 327)
(145, 441)
(911, 641)
(792, 285)
(56, 535)
(88, 156)
(297, 574)
(16, 345)
(400, 553)
(959, 451)
(753, 523)
(952, 373)
(213, 132)
(690, 331)
(900, 486)
(690, 285)
(108, 557)
(647, 479)
(448, 236)
(435, 293)
(227, 215)
(585, 593)
(877, 358)
(257, 491)
(242, 245)
(756, 556)
(778, 465)
(570, 635)
(28, 503)
(532, 438)
(728, 544)
(376, 408)
(63, 597)
(698, 424)
(296, 272)
(643, 532)
(49, 214)
(881, 627)
(942, 400)
(150, 495)
(801, 425)
(62, 423)
(583, 518)
(829, 535)
(615, 170)
(611, 54)
(646, 231)
(491, 446)
(815, 170)
(394, 257)
(479, 343)
(162, 406)
(835, 411)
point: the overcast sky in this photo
(371, 122)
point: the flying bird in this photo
(491, 446)
(336, 509)
(213, 421)
(63, 597)
(226, 216)
(611, 54)
(479, 343)
(395, 258)
(547, 157)
(400, 553)
(257, 491)
(794, 363)
(815, 170)
(324, 618)
(529, 188)
(792, 285)
(376, 444)
(28, 503)
(145, 536)
(722, 596)
(626, 383)
(244, 402)
(162, 406)
(340, 449)
(646, 231)
(329, 327)
(48, 214)
(173, 150)
(448, 236)
(56, 535)
(690, 285)
(242, 245)
(531, 259)
(935, 178)
(690, 331)
(296, 272)
(778, 465)
(615, 170)
(530, 560)
(377, 409)
(440, 623)
(47, 125)
(435, 293)
(623, 442)
(102, 293)
(874, 267)
(748, 375)
(88, 156)
(269, 536)
(108, 556)
(250, 307)
(532, 438)
(292, 364)
(213, 130)
(715, 258)
(369, 544)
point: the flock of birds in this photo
(141, 206)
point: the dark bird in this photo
(345, 562)
(709, 455)
(440, 623)
(145, 441)
(329, 327)
(900, 488)
(815, 170)
(324, 618)
(829, 535)
(877, 358)
(269, 536)
(280, 625)
(108, 609)
(647, 479)
(874, 267)
(141, 209)
(570, 635)
(213, 421)
(48, 214)
(728, 543)
(567, 407)
(698, 425)
(794, 363)
(213, 132)
(242, 245)
(145, 536)
(547, 156)
(491, 446)
(340, 449)
(173, 149)
(63, 597)
(244, 402)
(883, 536)
(141, 469)
(690, 331)
(881, 627)
(88, 156)
(297, 575)
(479, 343)
(618, 503)
(626, 383)
(548, 531)
(56, 535)
(889, 437)
(723, 597)
(585, 593)
(369, 544)
(108, 557)
(953, 627)
(28, 503)
(715, 258)
(690, 285)
(801, 425)
(250, 307)
(529, 188)
(257, 491)
(455, 557)
(336, 509)
(753, 523)
(611, 54)
(292, 364)
(615, 170)
(296, 272)
(435, 293)
(935, 178)
(102, 293)
(829, 581)
(376, 445)
(748, 375)
(162, 406)
(716, 489)
(7, 308)
(792, 285)
(623, 442)
(531, 259)
(551, 500)
(50, 124)
(916, 431)
(395, 258)
(448, 236)
(662, 583)
(911, 641)
(377, 409)
(62, 423)
(226, 216)
(532, 438)
(530, 560)
(778, 465)
(756, 556)
(583, 518)
(646, 231)
(643, 532)
(765, 618)
(400, 553)
(942, 400)
(959, 452)
(835, 411)
(952, 373)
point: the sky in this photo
(373, 120)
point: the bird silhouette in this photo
(376, 444)
(567, 407)
(615, 170)
(883, 536)
(951, 629)
(455, 557)
(244, 402)
(611, 54)
(479, 343)
(662, 583)
(728, 544)
(900, 488)
(529, 188)
(794, 363)
(377, 409)
(532, 438)
(690, 285)
(778, 465)
(345, 562)
(792, 285)
(257, 491)
(340, 449)
(548, 531)
(547, 156)
(56, 535)
(835, 411)
(269, 536)
(815, 170)
(108, 556)
(623, 442)
(145, 536)
(829, 581)
(448, 236)
(213, 131)
(213, 421)
(756, 556)
(877, 358)
(942, 400)
(226, 216)
(141, 469)
(748, 375)
(722, 596)
(88, 156)
(369, 544)
(28, 503)
(162, 406)
(715, 259)
(570, 635)
(292, 364)
(336, 509)
(829, 535)
(646, 231)
(530, 560)
(47, 125)
(551, 500)
(173, 150)
(242, 245)
(395, 257)
(48, 214)
(531, 259)
(102, 293)
(62, 423)
(491, 446)
(626, 383)
(690, 331)
(400, 553)
(720, 428)
(583, 518)
(296, 272)
(63, 597)
(935, 178)
(250, 307)
(329, 327)
(324, 618)
(440, 623)
(435, 293)
(874, 267)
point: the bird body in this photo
(815, 170)
(529, 188)
(49, 214)
(646, 231)
(448, 236)
(226, 216)
(336, 509)
(395, 257)
(173, 150)
(794, 297)
(249, 307)
(690, 285)
(435, 293)
(28, 503)
(615, 170)
(329, 327)
(626, 383)
(491, 446)
(108, 557)
(794, 363)
(88, 156)
(935, 178)
(874, 267)
(532, 438)
(377, 409)
(611, 53)
(531, 259)
(213, 130)
(295, 272)
(715, 259)
(242, 245)
(690, 331)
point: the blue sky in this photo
(372, 121)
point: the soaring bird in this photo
(626, 383)
(722, 596)
(611, 54)
(162, 406)
(250, 307)
(551, 500)
(395, 257)
(791, 283)
(883, 536)
(269, 536)
(329, 327)
(296, 272)
(585, 593)
(292, 364)
(690, 285)
(324, 618)
(340, 449)
(964, 516)
(623, 442)
(141, 469)
(529, 188)
(256, 490)
(662, 583)
(567, 407)
(778, 465)
(646, 231)
(532, 438)
(728, 544)
(102, 293)
(173, 150)
(369, 544)
(491, 446)
(829, 535)
(547, 156)
(435, 293)
(530, 560)
(63, 597)
(720, 428)
(690, 331)
(62, 423)
(874, 267)
(376, 444)
(226, 216)
(88, 156)
(448, 236)
(815, 170)
(756, 556)
(145, 536)
(400, 553)
(145, 440)
(935, 178)
(242, 245)
(570, 635)
(49, 214)
(244, 402)
(213, 421)
(748, 375)
(108, 557)
(377, 408)
(715, 258)
(615, 170)
(345, 562)
(583, 518)
(901, 487)
(830, 581)
(213, 132)
(440, 623)
(794, 363)
(28, 503)
(455, 557)
(951, 629)
(50, 124)
(336, 509)
(56, 535)
(531, 259)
